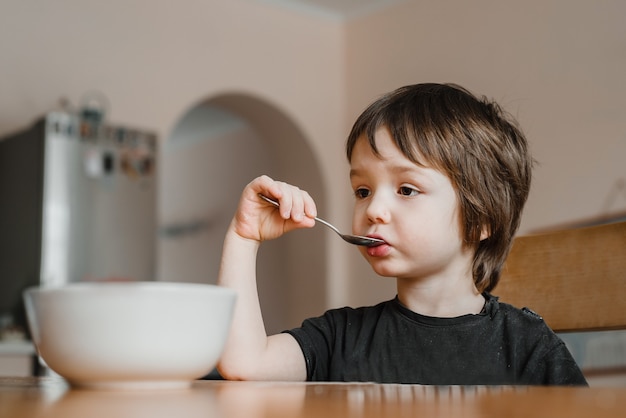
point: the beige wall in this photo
(558, 65)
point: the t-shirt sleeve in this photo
(550, 363)
(316, 339)
(559, 368)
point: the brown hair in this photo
(477, 145)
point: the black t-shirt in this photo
(389, 343)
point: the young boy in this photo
(441, 176)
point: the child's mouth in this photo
(379, 251)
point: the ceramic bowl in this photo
(130, 335)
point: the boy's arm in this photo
(249, 353)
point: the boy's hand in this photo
(258, 220)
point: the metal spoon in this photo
(352, 239)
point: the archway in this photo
(214, 149)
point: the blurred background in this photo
(232, 89)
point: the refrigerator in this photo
(77, 203)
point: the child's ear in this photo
(484, 233)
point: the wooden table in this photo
(51, 397)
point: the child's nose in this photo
(378, 209)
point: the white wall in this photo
(205, 161)
(155, 60)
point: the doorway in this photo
(215, 148)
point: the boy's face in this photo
(413, 208)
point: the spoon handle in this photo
(352, 239)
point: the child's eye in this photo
(408, 191)
(361, 193)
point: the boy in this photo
(441, 176)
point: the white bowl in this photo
(130, 335)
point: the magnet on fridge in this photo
(98, 163)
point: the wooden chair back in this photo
(574, 278)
